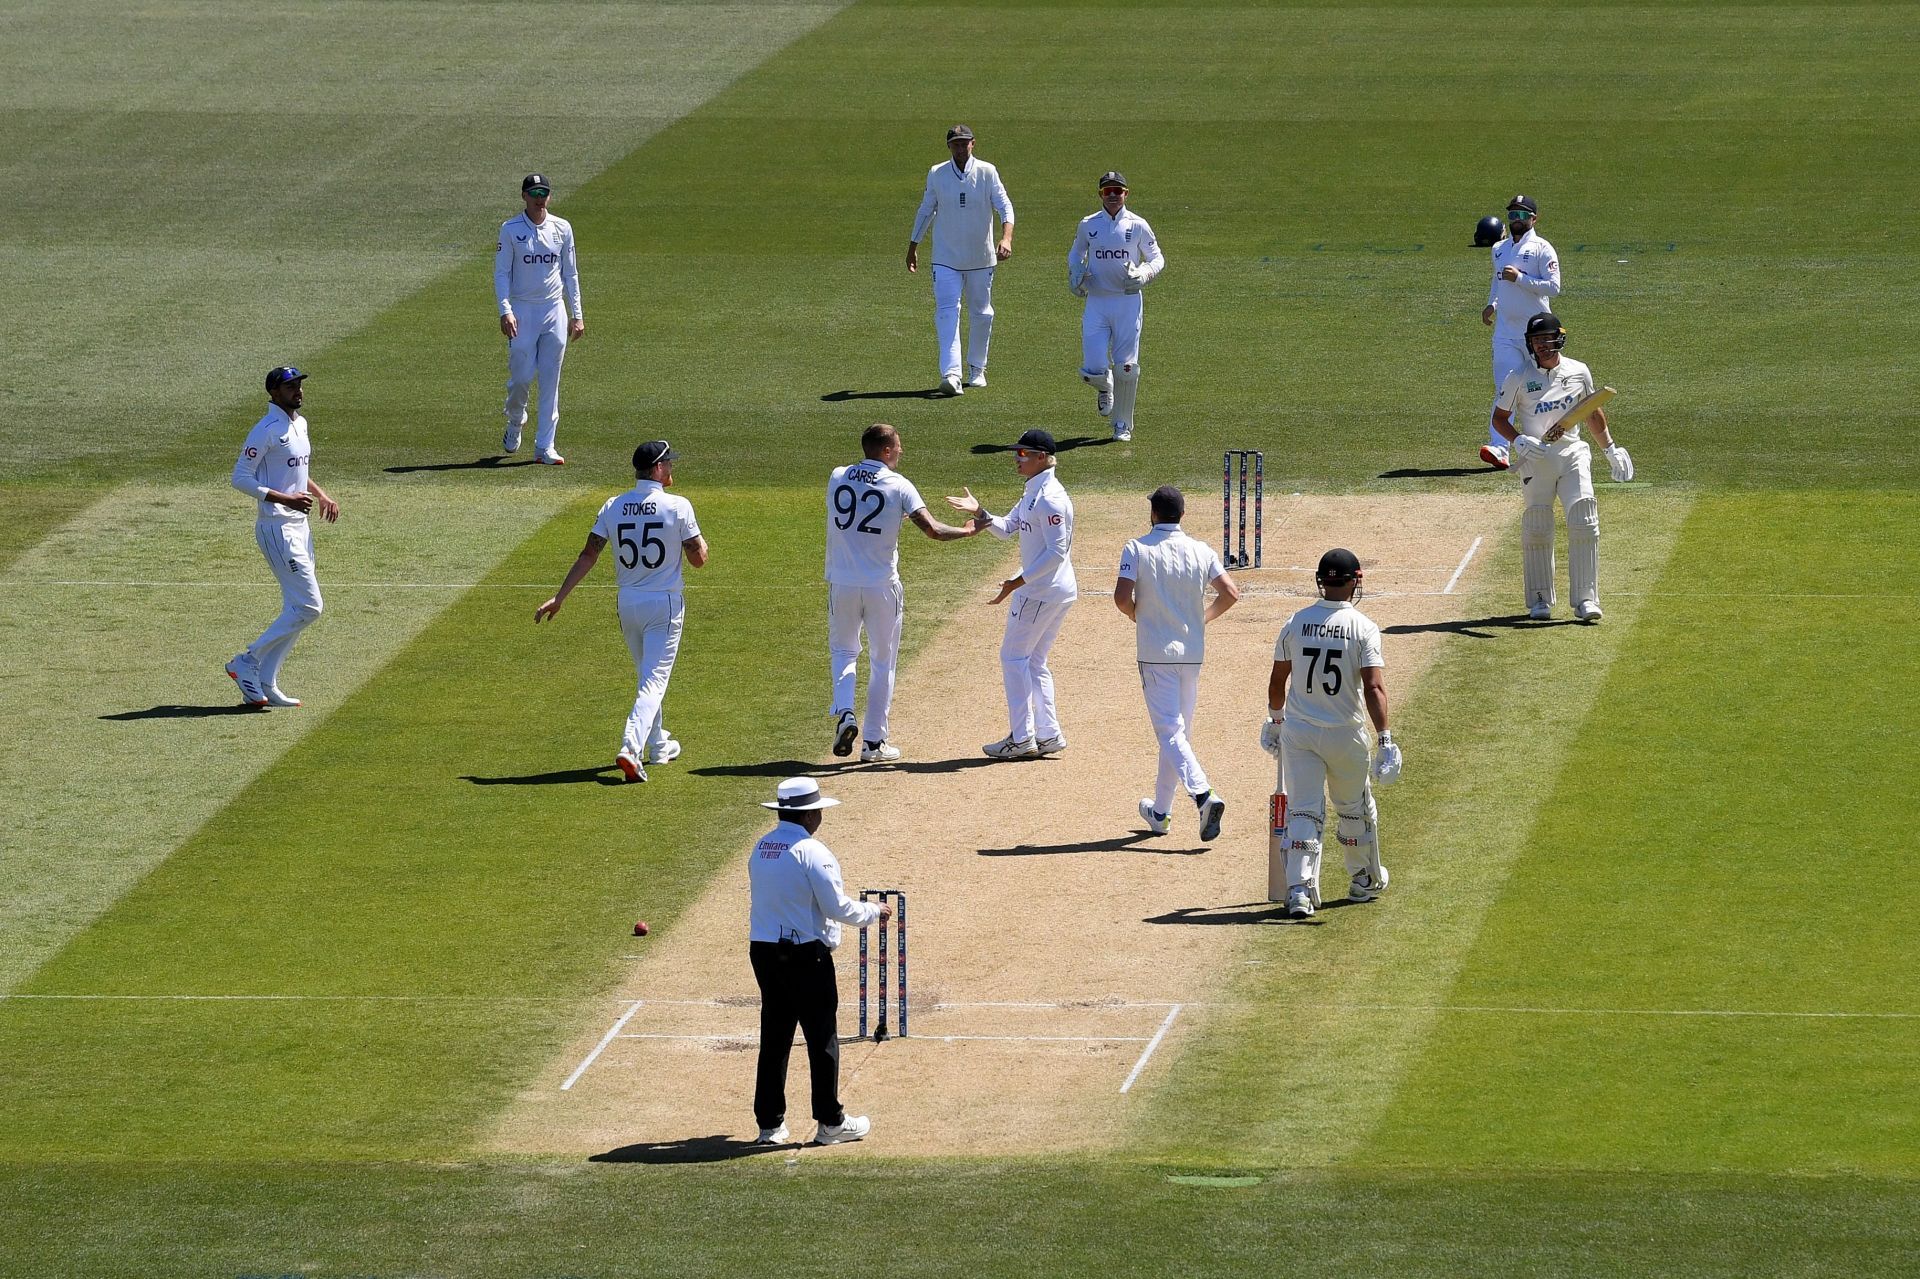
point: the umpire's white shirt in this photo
(1329, 643)
(866, 504)
(535, 263)
(275, 456)
(1517, 301)
(1044, 520)
(1169, 571)
(646, 526)
(960, 203)
(1537, 397)
(796, 890)
(1104, 247)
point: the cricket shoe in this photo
(950, 385)
(1299, 904)
(630, 767)
(1123, 431)
(976, 376)
(510, 442)
(1495, 456)
(1010, 747)
(879, 753)
(845, 733)
(850, 1128)
(665, 753)
(277, 698)
(1588, 611)
(1103, 400)
(1364, 887)
(1157, 823)
(1050, 745)
(774, 1136)
(245, 672)
(1211, 810)
(1540, 612)
(547, 457)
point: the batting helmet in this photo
(1488, 231)
(1337, 567)
(1545, 327)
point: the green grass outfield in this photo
(1643, 1000)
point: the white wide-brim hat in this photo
(799, 795)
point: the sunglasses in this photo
(1519, 215)
(1024, 454)
(1107, 191)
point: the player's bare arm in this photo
(913, 256)
(1123, 598)
(301, 502)
(940, 532)
(329, 509)
(1226, 593)
(1373, 683)
(1503, 423)
(1277, 688)
(1005, 248)
(1487, 313)
(696, 551)
(1598, 425)
(589, 554)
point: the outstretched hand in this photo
(1007, 588)
(965, 502)
(546, 610)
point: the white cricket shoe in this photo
(1364, 887)
(1210, 815)
(549, 458)
(245, 672)
(665, 753)
(1540, 612)
(277, 698)
(774, 1136)
(1050, 745)
(950, 385)
(878, 753)
(1157, 823)
(510, 442)
(1009, 747)
(845, 733)
(976, 376)
(1103, 400)
(1588, 611)
(1495, 456)
(1299, 904)
(630, 767)
(1123, 431)
(850, 1128)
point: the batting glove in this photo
(1526, 446)
(1077, 284)
(1620, 462)
(1270, 737)
(1386, 763)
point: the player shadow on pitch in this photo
(189, 712)
(497, 462)
(605, 775)
(766, 768)
(687, 1150)
(1436, 473)
(1479, 627)
(1059, 446)
(1128, 843)
(841, 397)
(1245, 913)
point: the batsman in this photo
(1317, 728)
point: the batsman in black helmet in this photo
(1526, 279)
(1553, 461)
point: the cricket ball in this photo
(640, 929)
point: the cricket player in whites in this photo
(533, 270)
(1317, 728)
(651, 530)
(1526, 276)
(867, 502)
(273, 470)
(1554, 462)
(1114, 256)
(963, 196)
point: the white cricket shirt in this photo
(1044, 520)
(646, 526)
(1517, 301)
(1169, 571)
(1104, 247)
(795, 889)
(1329, 643)
(1536, 397)
(866, 504)
(275, 456)
(534, 262)
(960, 203)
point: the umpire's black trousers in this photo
(797, 986)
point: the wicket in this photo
(1258, 459)
(899, 904)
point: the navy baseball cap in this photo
(651, 454)
(1037, 440)
(1113, 178)
(959, 132)
(277, 378)
(1522, 202)
(535, 184)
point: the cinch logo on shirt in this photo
(531, 258)
(1111, 253)
(299, 461)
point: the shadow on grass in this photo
(1244, 913)
(605, 775)
(1436, 473)
(1477, 627)
(1130, 843)
(189, 712)
(688, 1150)
(766, 768)
(841, 397)
(1073, 442)
(478, 464)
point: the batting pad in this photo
(1101, 381)
(1536, 554)
(1126, 385)
(1358, 846)
(1583, 550)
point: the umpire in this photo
(798, 907)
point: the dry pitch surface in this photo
(1049, 993)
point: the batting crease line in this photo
(598, 1048)
(1152, 1044)
(753, 1036)
(1464, 561)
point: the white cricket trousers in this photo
(1318, 762)
(1173, 691)
(1509, 357)
(949, 286)
(651, 621)
(878, 610)
(1032, 626)
(1110, 332)
(537, 349)
(288, 548)
(1562, 470)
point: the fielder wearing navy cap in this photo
(959, 133)
(1112, 178)
(277, 378)
(651, 454)
(1037, 440)
(535, 184)
(1522, 202)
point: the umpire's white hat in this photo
(799, 795)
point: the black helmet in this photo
(1489, 231)
(1546, 325)
(1337, 567)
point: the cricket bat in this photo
(1277, 836)
(1579, 413)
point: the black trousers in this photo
(797, 987)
